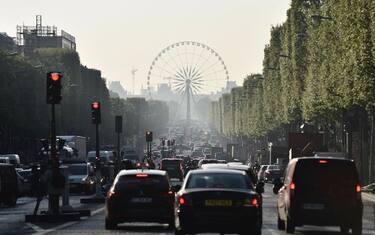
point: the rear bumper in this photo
(198, 221)
(119, 214)
(327, 217)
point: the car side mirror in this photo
(259, 188)
(176, 188)
(277, 184)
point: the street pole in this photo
(98, 193)
(54, 198)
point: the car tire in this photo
(344, 230)
(179, 232)
(280, 223)
(11, 200)
(289, 225)
(110, 225)
(357, 228)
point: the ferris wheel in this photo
(191, 68)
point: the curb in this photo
(368, 196)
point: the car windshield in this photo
(273, 167)
(145, 182)
(78, 169)
(327, 171)
(218, 180)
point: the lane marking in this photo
(41, 231)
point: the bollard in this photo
(65, 198)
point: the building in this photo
(30, 38)
(116, 87)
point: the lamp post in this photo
(270, 144)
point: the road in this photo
(12, 221)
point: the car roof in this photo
(199, 171)
(321, 158)
(171, 159)
(145, 171)
(225, 166)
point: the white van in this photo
(105, 156)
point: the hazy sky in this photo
(116, 35)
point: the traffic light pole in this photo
(54, 198)
(98, 190)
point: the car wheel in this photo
(12, 200)
(289, 225)
(344, 230)
(171, 224)
(110, 225)
(179, 232)
(357, 228)
(280, 223)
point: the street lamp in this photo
(270, 144)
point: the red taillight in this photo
(141, 175)
(254, 202)
(292, 186)
(323, 161)
(358, 188)
(182, 201)
(170, 192)
(111, 192)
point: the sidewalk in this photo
(368, 196)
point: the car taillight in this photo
(323, 161)
(141, 175)
(184, 201)
(292, 186)
(358, 188)
(251, 202)
(111, 192)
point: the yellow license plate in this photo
(218, 203)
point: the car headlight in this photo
(84, 179)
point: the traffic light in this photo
(163, 142)
(148, 136)
(95, 113)
(168, 143)
(54, 87)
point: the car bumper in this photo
(119, 214)
(327, 217)
(197, 221)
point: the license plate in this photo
(224, 203)
(313, 206)
(141, 200)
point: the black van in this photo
(320, 191)
(8, 184)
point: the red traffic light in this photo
(55, 76)
(95, 105)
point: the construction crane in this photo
(133, 71)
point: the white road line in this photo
(41, 231)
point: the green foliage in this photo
(313, 70)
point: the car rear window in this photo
(325, 171)
(143, 181)
(219, 180)
(171, 162)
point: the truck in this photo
(78, 144)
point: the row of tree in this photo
(25, 116)
(318, 67)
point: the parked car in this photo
(24, 181)
(174, 167)
(320, 191)
(272, 172)
(8, 184)
(140, 196)
(81, 178)
(261, 172)
(13, 159)
(217, 200)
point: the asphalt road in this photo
(95, 223)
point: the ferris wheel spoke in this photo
(183, 64)
(165, 70)
(167, 63)
(204, 70)
(213, 72)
